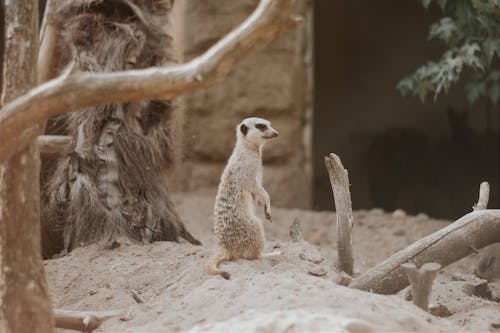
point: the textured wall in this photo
(272, 83)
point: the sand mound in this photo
(267, 295)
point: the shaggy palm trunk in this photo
(113, 184)
(24, 302)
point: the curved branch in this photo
(73, 92)
(459, 239)
(339, 180)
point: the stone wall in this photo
(273, 83)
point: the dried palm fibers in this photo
(113, 183)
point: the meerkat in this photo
(238, 230)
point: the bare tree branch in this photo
(484, 196)
(73, 92)
(339, 180)
(473, 231)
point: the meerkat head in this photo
(256, 131)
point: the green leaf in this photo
(422, 88)
(425, 3)
(405, 86)
(445, 29)
(491, 47)
(471, 59)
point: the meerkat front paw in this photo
(267, 212)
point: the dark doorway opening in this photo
(400, 153)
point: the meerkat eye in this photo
(261, 127)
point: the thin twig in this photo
(484, 196)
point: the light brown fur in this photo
(238, 230)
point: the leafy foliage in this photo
(471, 31)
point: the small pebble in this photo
(399, 213)
(377, 211)
(440, 311)
(317, 271)
(422, 216)
(399, 232)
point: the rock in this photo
(440, 311)
(488, 266)
(399, 232)
(358, 326)
(345, 279)
(315, 260)
(459, 277)
(408, 295)
(377, 211)
(422, 216)
(317, 271)
(477, 288)
(495, 291)
(399, 213)
(342, 278)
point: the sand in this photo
(275, 294)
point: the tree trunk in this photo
(113, 183)
(24, 301)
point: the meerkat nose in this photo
(275, 134)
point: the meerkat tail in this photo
(272, 254)
(212, 266)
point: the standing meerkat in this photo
(238, 230)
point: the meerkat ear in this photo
(244, 129)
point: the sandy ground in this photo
(276, 294)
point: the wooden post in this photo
(24, 302)
(343, 206)
(421, 282)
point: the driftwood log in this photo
(461, 238)
(84, 321)
(421, 282)
(339, 180)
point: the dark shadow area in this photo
(400, 153)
